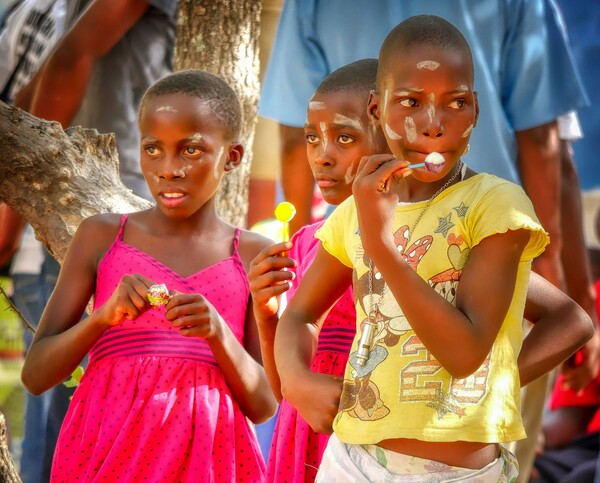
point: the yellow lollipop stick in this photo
(284, 212)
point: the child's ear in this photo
(235, 156)
(476, 108)
(373, 108)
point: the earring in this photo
(467, 148)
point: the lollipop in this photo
(284, 212)
(434, 162)
(158, 295)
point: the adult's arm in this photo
(61, 85)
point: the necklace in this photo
(366, 340)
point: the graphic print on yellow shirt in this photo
(402, 391)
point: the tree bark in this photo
(222, 38)
(56, 178)
(8, 472)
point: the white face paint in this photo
(350, 174)
(323, 127)
(316, 105)
(156, 178)
(391, 133)
(411, 129)
(182, 173)
(195, 137)
(428, 64)
(217, 167)
(467, 131)
(408, 92)
(346, 121)
(431, 107)
(462, 88)
(166, 109)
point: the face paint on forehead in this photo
(347, 121)
(428, 64)
(196, 137)
(391, 133)
(316, 105)
(467, 131)
(166, 108)
(462, 88)
(411, 129)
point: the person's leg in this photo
(27, 297)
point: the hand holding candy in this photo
(284, 212)
(434, 162)
(158, 294)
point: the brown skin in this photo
(186, 235)
(476, 325)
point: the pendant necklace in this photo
(368, 334)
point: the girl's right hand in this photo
(316, 396)
(128, 301)
(269, 279)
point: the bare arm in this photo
(268, 281)
(459, 337)
(539, 167)
(61, 337)
(11, 230)
(560, 328)
(315, 396)
(63, 79)
(296, 177)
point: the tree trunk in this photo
(8, 472)
(222, 38)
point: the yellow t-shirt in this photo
(403, 391)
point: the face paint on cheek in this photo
(410, 128)
(391, 133)
(431, 107)
(217, 165)
(155, 178)
(182, 173)
(428, 64)
(350, 174)
(347, 121)
(323, 127)
(467, 131)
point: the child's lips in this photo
(172, 199)
(325, 182)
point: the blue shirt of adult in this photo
(524, 77)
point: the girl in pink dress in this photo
(338, 135)
(169, 389)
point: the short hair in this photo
(207, 87)
(358, 76)
(420, 30)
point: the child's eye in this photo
(345, 139)
(151, 150)
(408, 102)
(457, 104)
(191, 150)
(311, 138)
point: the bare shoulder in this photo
(95, 235)
(250, 244)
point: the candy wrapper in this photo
(158, 295)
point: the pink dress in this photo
(296, 450)
(154, 405)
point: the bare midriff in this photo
(464, 454)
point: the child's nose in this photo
(171, 168)
(433, 124)
(325, 155)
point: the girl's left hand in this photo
(193, 315)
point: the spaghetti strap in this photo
(123, 221)
(236, 239)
